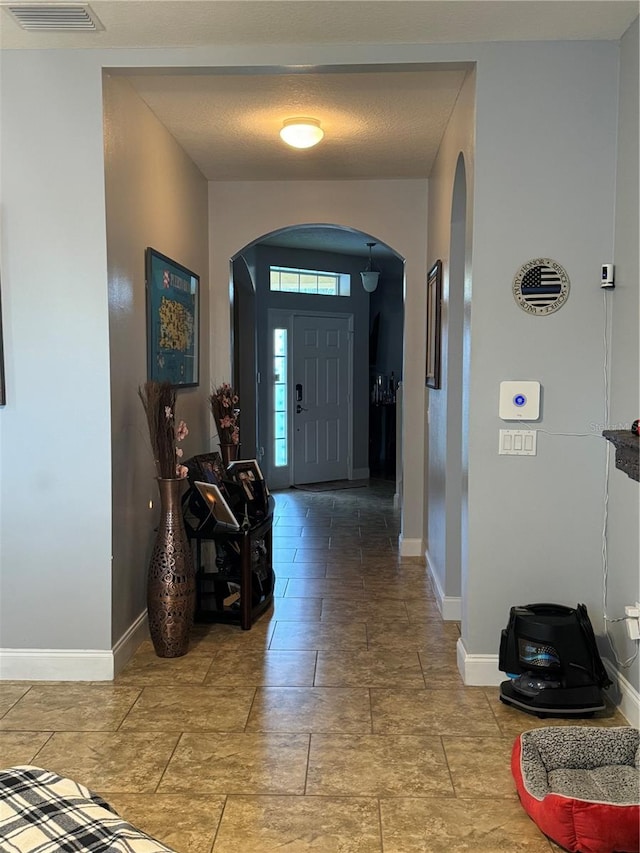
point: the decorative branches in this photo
(159, 400)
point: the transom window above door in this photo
(313, 282)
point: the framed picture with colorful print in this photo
(434, 323)
(173, 317)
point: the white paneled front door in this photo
(320, 398)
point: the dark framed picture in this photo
(247, 474)
(217, 465)
(173, 297)
(434, 322)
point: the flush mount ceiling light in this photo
(370, 276)
(301, 132)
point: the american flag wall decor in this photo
(541, 286)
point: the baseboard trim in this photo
(628, 699)
(73, 664)
(478, 670)
(410, 547)
(450, 606)
(56, 665)
(126, 646)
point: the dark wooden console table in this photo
(248, 564)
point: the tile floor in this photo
(338, 724)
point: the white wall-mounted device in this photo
(607, 276)
(519, 400)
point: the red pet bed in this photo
(581, 786)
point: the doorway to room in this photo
(310, 401)
(315, 368)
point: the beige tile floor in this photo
(338, 724)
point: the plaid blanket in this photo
(41, 812)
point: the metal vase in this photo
(229, 452)
(171, 585)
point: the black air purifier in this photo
(550, 654)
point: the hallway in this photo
(337, 724)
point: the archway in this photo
(329, 250)
(455, 384)
(394, 213)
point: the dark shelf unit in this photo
(627, 451)
(249, 564)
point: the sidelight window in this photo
(280, 387)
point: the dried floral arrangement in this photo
(225, 411)
(159, 402)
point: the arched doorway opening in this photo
(456, 518)
(288, 374)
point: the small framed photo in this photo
(218, 506)
(173, 296)
(247, 474)
(434, 322)
(212, 467)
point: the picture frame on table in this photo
(247, 474)
(434, 326)
(173, 321)
(218, 506)
(212, 468)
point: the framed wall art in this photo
(434, 322)
(173, 317)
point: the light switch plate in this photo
(518, 442)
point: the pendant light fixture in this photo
(301, 132)
(370, 276)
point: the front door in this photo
(320, 398)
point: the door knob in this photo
(300, 408)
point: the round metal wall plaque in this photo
(541, 286)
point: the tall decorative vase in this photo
(171, 585)
(229, 452)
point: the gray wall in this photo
(450, 235)
(544, 187)
(244, 355)
(156, 197)
(388, 301)
(55, 436)
(624, 510)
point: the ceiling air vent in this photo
(52, 17)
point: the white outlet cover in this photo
(519, 400)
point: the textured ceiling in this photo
(377, 125)
(151, 23)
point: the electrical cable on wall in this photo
(624, 664)
(605, 560)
